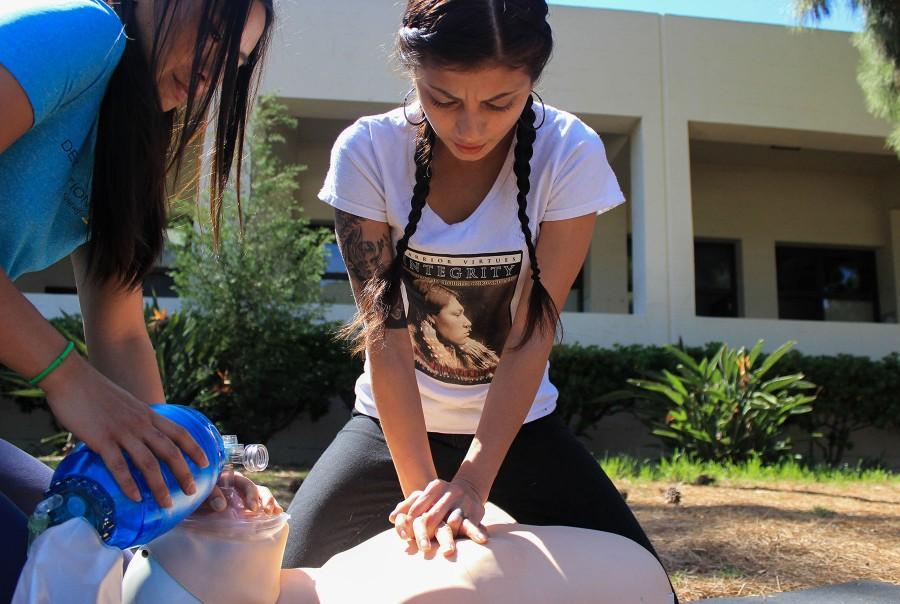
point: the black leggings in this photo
(547, 478)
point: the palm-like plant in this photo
(184, 356)
(725, 407)
(15, 387)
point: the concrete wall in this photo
(57, 276)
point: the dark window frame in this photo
(822, 254)
(163, 276)
(629, 259)
(578, 286)
(732, 293)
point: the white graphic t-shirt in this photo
(462, 281)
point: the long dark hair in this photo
(140, 149)
(466, 34)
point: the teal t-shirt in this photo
(62, 53)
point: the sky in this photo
(756, 11)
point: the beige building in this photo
(762, 200)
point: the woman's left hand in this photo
(443, 511)
(254, 496)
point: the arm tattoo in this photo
(362, 257)
(397, 318)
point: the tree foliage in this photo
(879, 48)
(255, 296)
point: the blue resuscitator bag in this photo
(82, 486)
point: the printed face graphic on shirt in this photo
(452, 323)
(459, 312)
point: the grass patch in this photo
(729, 572)
(282, 481)
(680, 468)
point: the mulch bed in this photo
(754, 539)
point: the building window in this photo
(335, 269)
(575, 301)
(715, 279)
(629, 253)
(159, 283)
(826, 284)
(335, 282)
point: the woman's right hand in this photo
(444, 511)
(111, 422)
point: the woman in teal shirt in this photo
(99, 103)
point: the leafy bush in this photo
(17, 389)
(182, 357)
(185, 356)
(722, 408)
(591, 380)
(854, 393)
(585, 376)
(296, 370)
(254, 297)
(268, 381)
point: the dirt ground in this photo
(745, 539)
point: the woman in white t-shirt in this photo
(483, 191)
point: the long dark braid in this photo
(422, 157)
(542, 311)
(381, 293)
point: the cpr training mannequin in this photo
(203, 560)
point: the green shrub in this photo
(297, 367)
(185, 356)
(185, 362)
(585, 376)
(16, 388)
(725, 407)
(855, 392)
(271, 377)
(255, 299)
(591, 380)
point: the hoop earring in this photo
(543, 114)
(405, 101)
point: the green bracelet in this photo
(56, 363)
